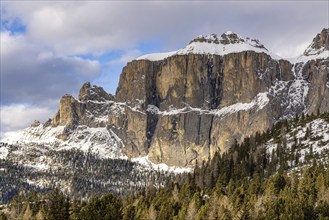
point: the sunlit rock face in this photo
(181, 107)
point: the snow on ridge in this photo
(230, 32)
(156, 56)
(220, 49)
(204, 48)
(210, 45)
(259, 102)
(98, 140)
(37, 135)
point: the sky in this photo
(50, 48)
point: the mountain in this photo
(180, 108)
(199, 99)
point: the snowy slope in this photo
(298, 141)
(99, 140)
(323, 54)
(156, 56)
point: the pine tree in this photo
(193, 207)
(3, 216)
(152, 213)
(128, 213)
(58, 206)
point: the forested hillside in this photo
(76, 173)
(280, 174)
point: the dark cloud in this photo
(31, 74)
(101, 26)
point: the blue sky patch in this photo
(14, 26)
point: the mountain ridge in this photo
(189, 105)
(228, 42)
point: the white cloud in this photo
(126, 57)
(291, 51)
(16, 117)
(98, 27)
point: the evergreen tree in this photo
(58, 207)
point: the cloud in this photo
(290, 51)
(126, 57)
(15, 117)
(31, 73)
(97, 27)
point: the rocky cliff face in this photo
(179, 108)
(200, 102)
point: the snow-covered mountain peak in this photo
(228, 42)
(226, 38)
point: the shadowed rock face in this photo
(91, 109)
(94, 93)
(182, 109)
(69, 111)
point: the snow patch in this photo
(260, 101)
(318, 140)
(144, 161)
(38, 166)
(3, 152)
(156, 56)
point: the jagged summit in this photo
(95, 93)
(318, 49)
(228, 42)
(319, 44)
(227, 38)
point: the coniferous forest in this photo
(249, 181)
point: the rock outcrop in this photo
(94, 93)
(319, 44)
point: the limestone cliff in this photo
(200, 101)
(179, 108)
